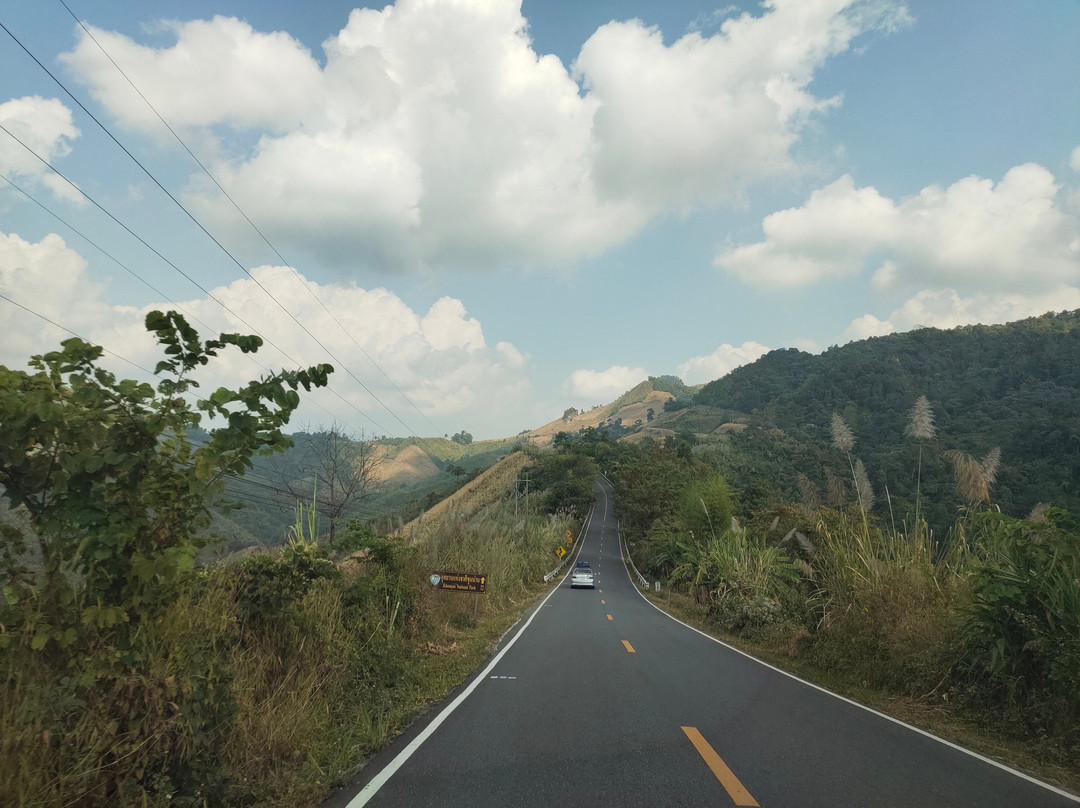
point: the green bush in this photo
(269, 587)
(1023, 628)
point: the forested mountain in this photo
(1014, 386)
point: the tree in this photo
(569, 413)
(340, 471)
(118, 498)
(462, 437)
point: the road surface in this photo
(600, 699)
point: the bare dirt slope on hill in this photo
(410, 464)
(597, 416)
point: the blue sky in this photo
(501, 209)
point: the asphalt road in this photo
(600, 699)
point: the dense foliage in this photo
(1012, 386)
(118, 499)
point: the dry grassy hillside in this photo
(490, 487)
(410, 464)
(601, 415)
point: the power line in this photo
(240, 210)
(104, 252)
(74, 334)
(195, 283)
(201, 227)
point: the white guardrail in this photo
(642, 580)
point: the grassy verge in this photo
(268, 681)
(982, 730)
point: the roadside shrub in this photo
(1022, 632)
(269, 587)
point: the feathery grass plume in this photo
(971, 480)
(842, 436)
(990, 464)
(921, 423)
(1038, 513)
(811, 496)
(837, 489)
(862, 487)
(921, 428)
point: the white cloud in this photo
(219, 71)
(865, 327)
(1010, 236)
(720, 362)
(1074, 160)
(807, 345)
(946, 308)
(705, 117)
(604, 385)
(47, 128)
(439, 359)
(436, 135)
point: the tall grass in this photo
(268, 679)
(988, 619)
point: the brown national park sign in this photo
(460, 581)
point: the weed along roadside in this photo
(133, 677)
(321, 658)
(974, 636)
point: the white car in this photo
(582, 576)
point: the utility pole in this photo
(517, 492)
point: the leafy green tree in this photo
(567, 482)
(117, 496)
(462, 437)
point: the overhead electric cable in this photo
(104, 252)
(199, 286)
(143, 241)
(240, 210)
(199, 224)
(74, 334)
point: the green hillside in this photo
(1014, 386)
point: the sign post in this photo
(475, 582)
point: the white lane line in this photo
(388, 771)
(971, 753)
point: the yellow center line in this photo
(726, 777)
(609, 617)
(629, 647)
(603, 602)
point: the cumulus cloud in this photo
(719, 363)
(703, 118)
(436, 135)
(604, 385)
(946, 308)
(49, 278)
(46, 127)
(439, 359)
(1010, 236)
